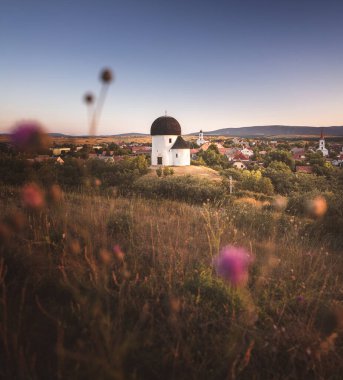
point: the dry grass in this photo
(74, 307)
(196, 171)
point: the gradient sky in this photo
(210, 64)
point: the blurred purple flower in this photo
(32, 196)
(300, 299)
(29, 137)
(232, 265)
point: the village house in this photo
(304, 169)
(239, 165)
(59, 151)
(137, 150)
(247, 152)
(298, 153)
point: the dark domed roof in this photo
(165, 125)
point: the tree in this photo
(281, 176)
(253, 181)
(279, 155)
(213, 158)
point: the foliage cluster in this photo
(74, 173)
(184, 188)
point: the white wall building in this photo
(321, 147)
(200, 141)
(168, 147)
(239, 165)
(247, 152)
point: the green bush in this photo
(185, 188)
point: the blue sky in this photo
(210, 64)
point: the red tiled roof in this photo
(241, 156)
(304, 169)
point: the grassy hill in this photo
(97, 286)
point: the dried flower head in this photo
(106, 76)
(88, 98)
(32, 196)
(29, 137)
(232, 265)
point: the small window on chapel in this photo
(176, 155)
(170, 140)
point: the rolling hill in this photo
(276, 130)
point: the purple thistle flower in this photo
(232, 265)
(29, 137)
(300, 299)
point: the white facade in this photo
(181, 157)
(161, 153)
(247, 152)
(239, 165)
(322, 147)
(200, 140)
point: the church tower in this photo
(201, 140)
(321, 147)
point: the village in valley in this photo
(305, 154)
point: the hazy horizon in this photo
(211, 66)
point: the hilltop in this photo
(276, 130)
(196, 171)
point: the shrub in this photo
(253, 181)
(168, 171)
(185, 188)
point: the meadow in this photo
(99, 285)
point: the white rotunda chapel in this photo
(168, 147)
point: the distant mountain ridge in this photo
(276, 130)
(253, 131)
(98, 136)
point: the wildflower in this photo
(29, 137)
(5, 233)
(175, 304)
(97, 182)
(16, 221)
(280, 203)
(232, 264)
(317, 206)
(105, 256)
(74, 246)
(300, 299)
(118, 253)
(32, 196)
(55, 194)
